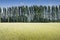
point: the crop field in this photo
(29, 31)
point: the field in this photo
(29, 31)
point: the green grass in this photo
(23, 31)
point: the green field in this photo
(29, 31)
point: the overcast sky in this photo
(7, 3)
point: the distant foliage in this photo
(30, 14)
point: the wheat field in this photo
(29, 31)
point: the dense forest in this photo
(30, 14)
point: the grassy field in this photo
(29, 31)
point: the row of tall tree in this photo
(30, 14)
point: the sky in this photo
(8, 3)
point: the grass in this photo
(29, 31)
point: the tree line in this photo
(30, 14)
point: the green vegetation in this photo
(30, 14)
